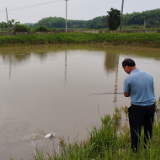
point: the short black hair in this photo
(128, 62)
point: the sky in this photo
(77, 9)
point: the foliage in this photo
(51, 22)
(97, 23)
(58, 22)
(152, 18)
(3, 26)
(21, 28)
(117, 115)
(76, 23)
(113, 19)
(144, 39)
(31, 25)
(41, 28)
(134, 20)
(8, 26)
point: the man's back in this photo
(139, 84)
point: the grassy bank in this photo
(141, 39)
(107, 143)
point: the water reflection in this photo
(13, 58)
(111, 57)
(42, 55)
(116, 85)
(111, 62)
(18, 56)
(65, 67)
(10, 67)
(111, 66)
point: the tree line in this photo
(58, 22)
(151, 18)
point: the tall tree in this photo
(113, 19)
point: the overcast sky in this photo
(77, 9)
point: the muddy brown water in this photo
(47, 89)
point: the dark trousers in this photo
(140, 116)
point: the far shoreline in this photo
(107, 39)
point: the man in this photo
(139, 86)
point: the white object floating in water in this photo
(51, 135)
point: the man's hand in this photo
(126, 94)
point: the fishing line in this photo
(104, 94)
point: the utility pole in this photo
(121, 15)
(7, 18)
(66, 16)
(144, 24)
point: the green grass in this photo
(144, 39)
(107, 143)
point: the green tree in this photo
(97, 23)
(11, 24)
(3, 26)
(41, 28)
(51, 22)
(152, 18)
(21, 28)
(113, 19)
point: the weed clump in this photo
(117, 115)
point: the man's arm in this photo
(126, 88)
(126, 94)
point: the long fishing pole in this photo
(103, 93)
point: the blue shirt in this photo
(139, 84)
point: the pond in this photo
(61, 89)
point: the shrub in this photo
(41, 28)
(21, 28)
